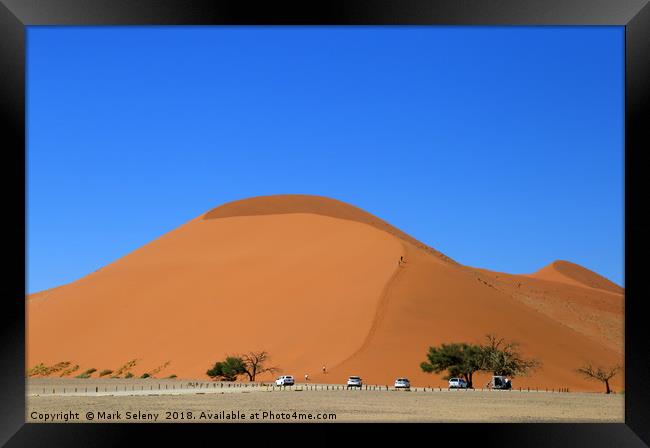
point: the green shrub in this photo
(87, 373)
(70, 370)
(145, 375)
(125, 368)
(229, 369)
(43, 370)
(105, 372)
(128, 375)
(172, 376)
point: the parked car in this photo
(284, 380)
(354, 381)
(457, 383)
(500, 382)
(402, 383)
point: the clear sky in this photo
(502, 147)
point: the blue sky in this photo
(502, 147)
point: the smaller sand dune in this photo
(573, 274)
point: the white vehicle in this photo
(457, 383)
(354, 381)
(284, 380)
(402, 383)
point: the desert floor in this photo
(176, 401)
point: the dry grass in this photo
(43, 370)
(125, 368)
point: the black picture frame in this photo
(634, 15)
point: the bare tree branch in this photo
(599, 373)
(254, 364)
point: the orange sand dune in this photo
(571, 273)
(316, 282)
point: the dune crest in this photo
(315, 281)
(319, 205)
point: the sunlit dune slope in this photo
(315, 281)
(571, 273)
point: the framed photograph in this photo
(353, 212)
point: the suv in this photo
(457, 383)
(402, 383)
(354, 381)
(284, 380)
(500, 382)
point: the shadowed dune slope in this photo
(315, 282)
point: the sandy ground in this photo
(259, 405)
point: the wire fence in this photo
(154, 388)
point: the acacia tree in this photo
(458, 359)
(253, 364)
(250, 364)
(463, 360)
(603, 374)
(504, 358)
(229, 369)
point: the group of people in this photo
(307, 375)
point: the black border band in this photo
(633, 14)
